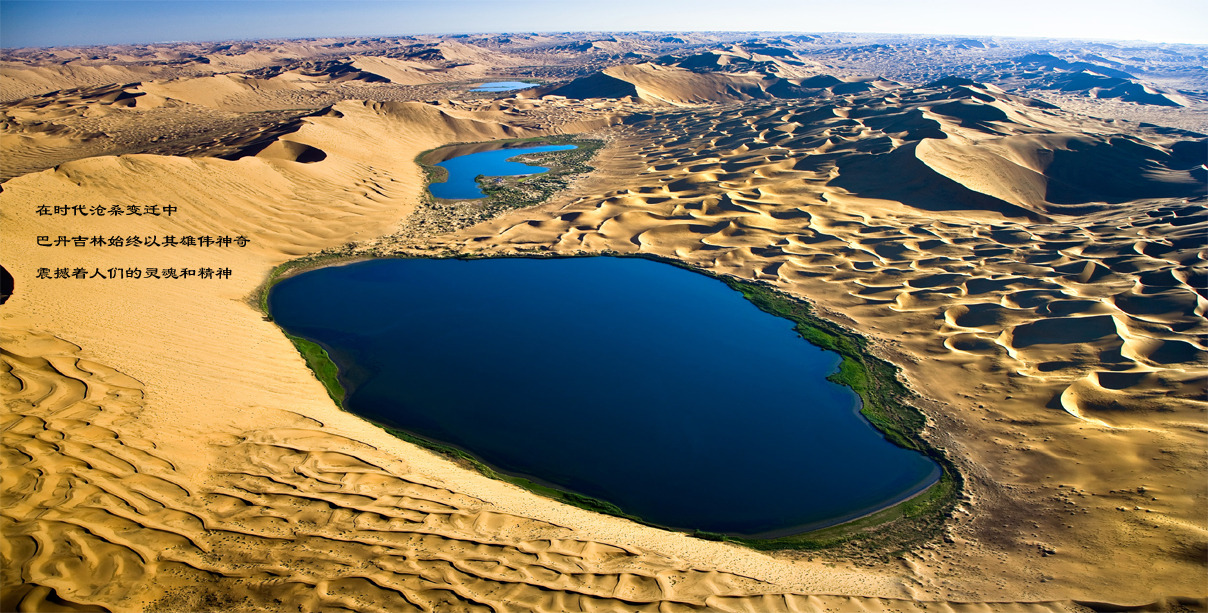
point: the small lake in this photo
(654, 388)
(463, 169)
(503, 86)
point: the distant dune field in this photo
(1038, 275)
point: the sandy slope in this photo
(164, 447)
(239, 485)
(407, 72)
(19, 81)
(1059, 336)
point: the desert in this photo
(1015, 228)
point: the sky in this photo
(42, 23)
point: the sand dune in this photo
(1020, 318)
(657, 84)
(125, 469)
(1100, 78)
(328, 522)
(1049, 313)
(713, 79)
(408, 72)
(41, 131)
(18, 81)
(295, 515)
(748, 57)
(228, 91)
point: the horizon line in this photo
(552, 32)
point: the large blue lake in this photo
(658, 389)
(463, 169)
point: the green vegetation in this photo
(874, 380)
(882, 534)
(317, 359)
(321, 364)
(434, 173)
(324, 258)
(326, 371)
(514, 192)
(503, 194)
(896, 528)
(528, 190)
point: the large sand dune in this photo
(1061, 335)
(1038, 276)
(714, 77)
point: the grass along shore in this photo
(884, 400)
(503, 194)
(885, 404)
(880, 535)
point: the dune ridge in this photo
(285, 501)
(296, 516)
(712, 77)
(1054, 333)
(1024, 319)
(228, 492)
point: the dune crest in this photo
(1038, 275)
(1024, 319)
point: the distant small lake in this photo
(503, 86)
(654, 388)
(463, 169)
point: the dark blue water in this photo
(503, 86)
(657, 389)
(464, 168)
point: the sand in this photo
(165, 447)
(1047, 336)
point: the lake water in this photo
(657, 389)
(460, 185)
(503, 86)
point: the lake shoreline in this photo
(924, 508)
(467, 176)
(434, 216)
